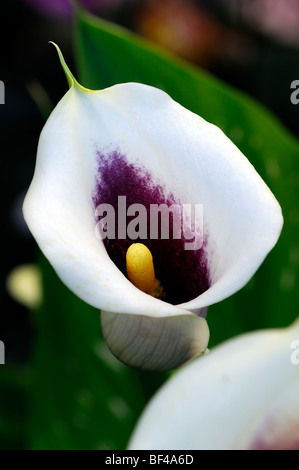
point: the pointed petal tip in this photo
(69, 76)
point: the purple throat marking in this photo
(184, 274)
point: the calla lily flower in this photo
(243, 395)
(132, 143)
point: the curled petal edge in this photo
(149, 343)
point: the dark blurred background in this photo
(250, 44)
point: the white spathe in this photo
(193, 160)
(243, 395)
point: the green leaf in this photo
(107, 54)
(14, 393)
